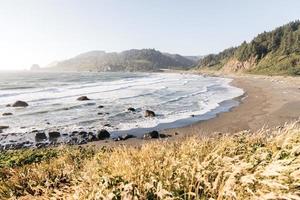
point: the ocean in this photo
(177, 99)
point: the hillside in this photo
(131, 60)
(262, 165)
(274, 53)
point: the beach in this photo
(268, 103)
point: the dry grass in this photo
(262, 165)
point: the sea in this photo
(178, 99)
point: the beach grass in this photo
(245, 165)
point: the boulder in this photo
(54, 134)
(4, 127)
(20, 104)
(83, 98)
(8, 105)
(40, 136)
(131, 109)
(151, 135)
(102, 134)
(7, 114)
(149, 113)
(100, 106)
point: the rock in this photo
(54, 134)
(91, 137)
(102, 134)
(100, 106)
(83, 133)
(83, 98)
(100, 113)
(192, 115)
(149, 113)
(151, 135)
(20, 104)
(124, 137)
(131, 109)
(7, 114)
(107, 125)
(8, 105)
(4, 127)
(40, 136)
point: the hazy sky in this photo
(42, 31)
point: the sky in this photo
(43, 31)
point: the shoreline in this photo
(268, 103)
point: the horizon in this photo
(33, 35)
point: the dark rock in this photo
(102, 134)
(151, 135)
(100, 106)
(107, 125)
(6, 114)
(54, 134)
(83, 133)
(83, 98)
(192, 115)
(8, 105)
(4, 127)
(131, 109)
(100, 113)
(149, 113)
(124, 137)
(39, 136)
(91, 137)
(20, 104)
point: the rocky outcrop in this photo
(20, 104)
(149, 113)
(151, 135)
(102, 134)
(83, 98)
(131, 109)
(54, 134)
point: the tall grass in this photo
(261, 165)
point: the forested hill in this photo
(275, 53)
(131, 60)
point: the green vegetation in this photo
(274, 52)
(262, 165)
(131, 60)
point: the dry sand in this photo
(268, 102)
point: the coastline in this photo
(268, 102)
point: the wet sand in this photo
(269, 102)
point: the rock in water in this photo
(83, 98)
(149, 113)
(54, 134)
(6, 114)
(102, 134)
(40, 136)
(3, 127)
(131, 109)
(100, 106)
(151, 135)
(20, 104)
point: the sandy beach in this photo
(268, 102)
